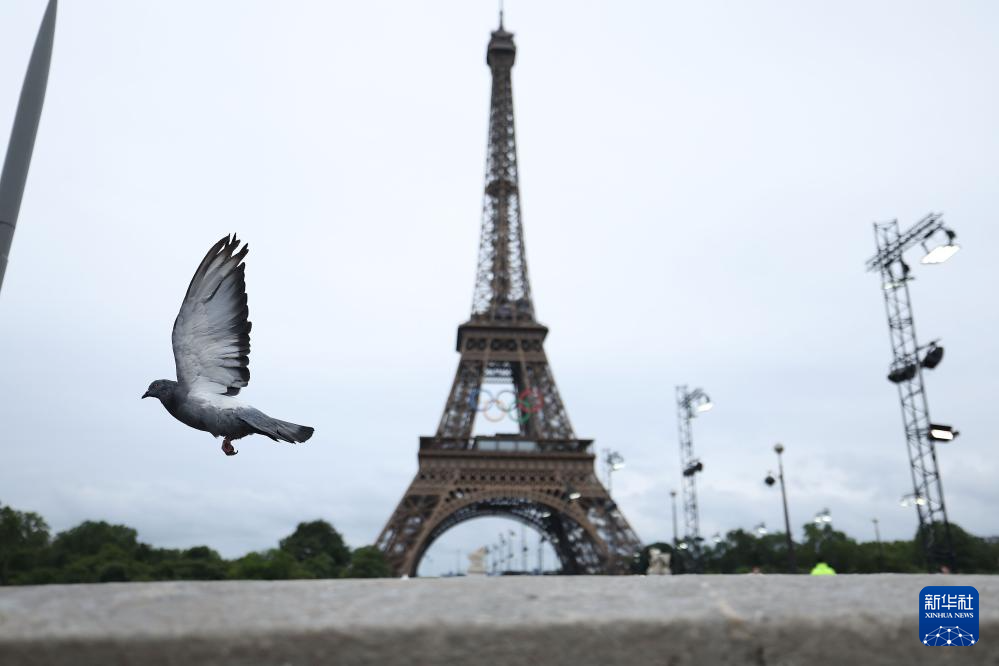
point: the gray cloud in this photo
(698, 183)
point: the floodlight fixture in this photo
(934, 355)
(940, 253)
(942, 433)
(912, 500)
(693, 468)
(572, 494)
(614, 460)
(902, 373)
(699, 402)
(895, 282)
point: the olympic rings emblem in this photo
(506, 403)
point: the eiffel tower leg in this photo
(459, 413)
(552, 421)
(621, 542)
(407, 528)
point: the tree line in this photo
(741, 551)
(98, 552)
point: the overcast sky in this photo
(699, 181)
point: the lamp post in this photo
(877, 537)
(672, 496)
(523, 548)
(779, 449)
(541, 554)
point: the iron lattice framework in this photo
(686, 403)
(542, 475)
(934, 528)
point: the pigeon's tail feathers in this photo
(294, 433)
(277, 429)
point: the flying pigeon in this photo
(211, 346)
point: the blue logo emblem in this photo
(948, 615)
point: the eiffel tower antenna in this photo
(501, 14)
(540, 474)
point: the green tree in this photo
(24, 536)
(972, 554)
(319, 548)
(90, 538)
(274, 564)
(367, 562)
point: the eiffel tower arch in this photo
(541, 475)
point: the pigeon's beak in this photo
(146, 394)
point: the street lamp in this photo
(509, 556)
(541, 553)
(779, 450)
(822, 518)
(672, 496)
(881, 552)
(761, 530)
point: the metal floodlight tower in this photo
(908, 361)
(688, 405)
(613, 461)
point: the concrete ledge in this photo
(680, 620)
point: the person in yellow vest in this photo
(823, 569)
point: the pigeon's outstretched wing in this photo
(211, 336)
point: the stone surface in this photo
(670, 620)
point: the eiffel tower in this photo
(542, 474)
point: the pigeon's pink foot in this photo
(228, 448)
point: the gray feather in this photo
(274, 428)
(211, 343)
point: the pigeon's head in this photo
(161, 388)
